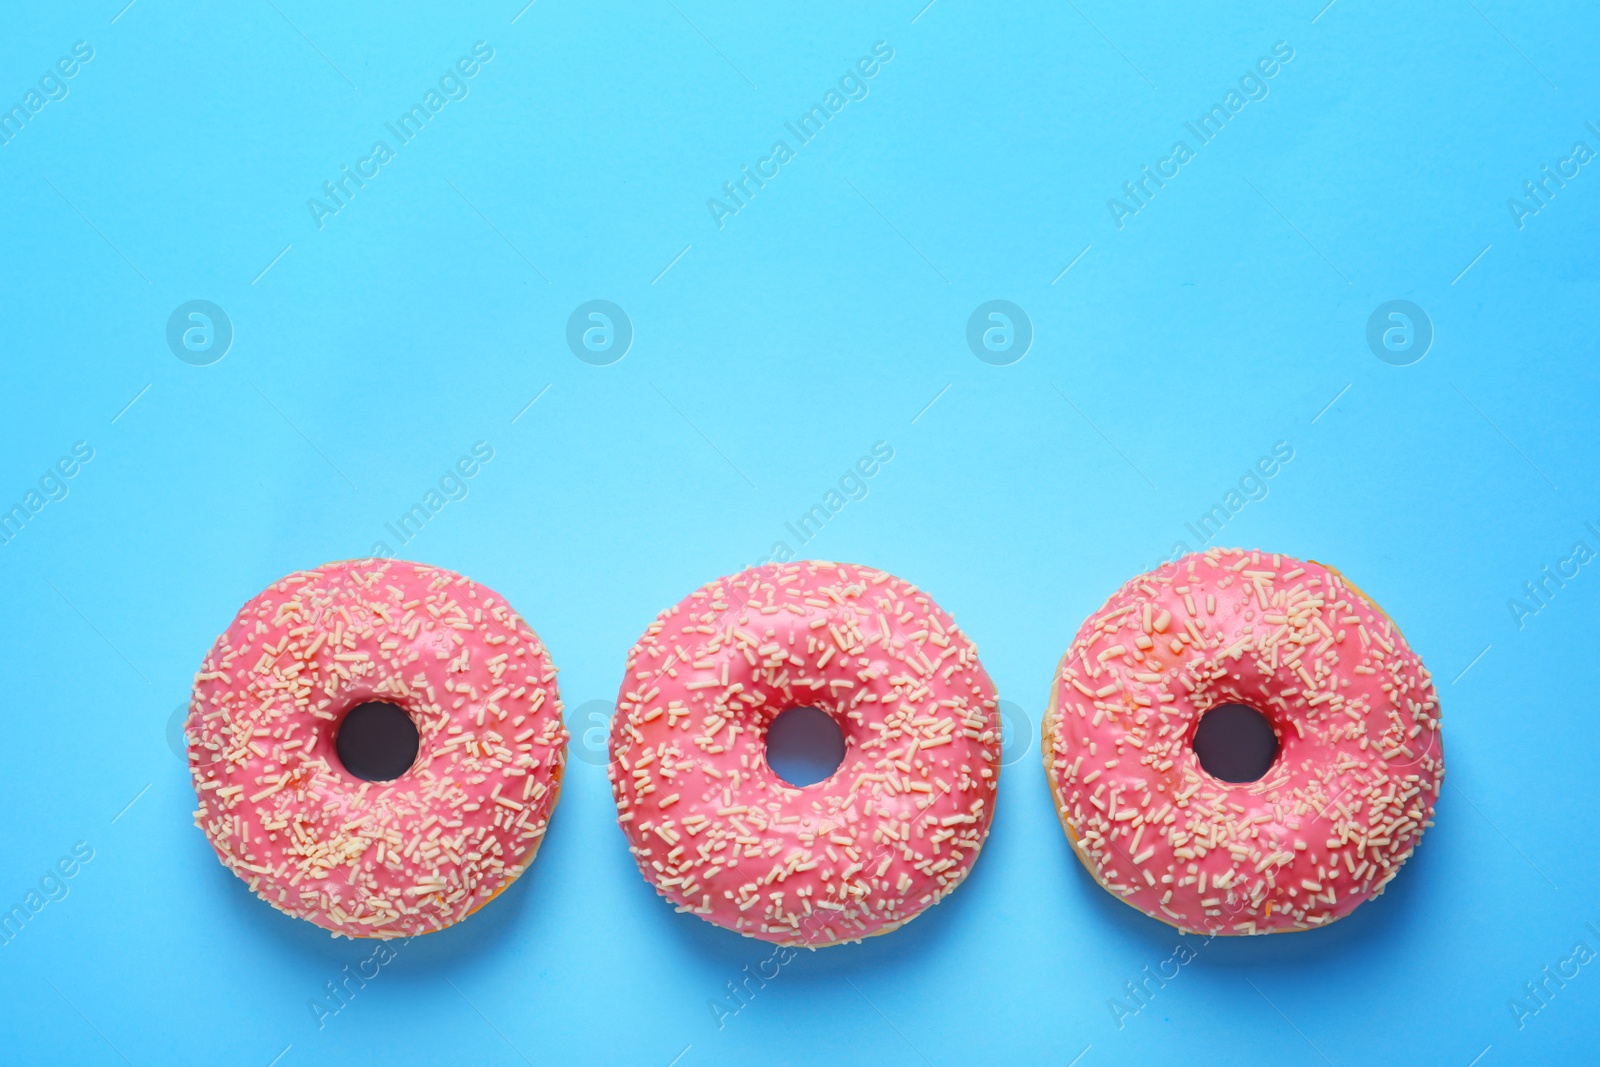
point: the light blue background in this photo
(1227, 315)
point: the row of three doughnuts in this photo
(901, 821)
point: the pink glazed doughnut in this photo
(362, 858)
(896, 827)
(1359, 764)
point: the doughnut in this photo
(378, 859)
(1354, 782)
(896, 827)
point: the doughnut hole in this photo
(1235, 743)
(804, 746)
(377, 741)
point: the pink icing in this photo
(376, 859)
(895, 828)
(1359, 768)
